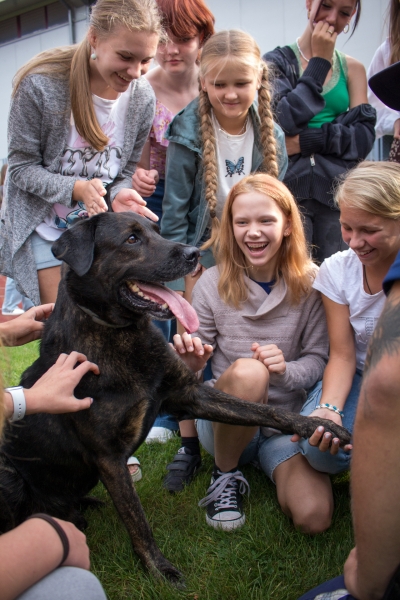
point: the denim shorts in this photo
(42, 252)
(269, 452)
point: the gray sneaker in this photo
(224, 500)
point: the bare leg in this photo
(187, 428)
(248, 380)
(48, 284)
(305, 495)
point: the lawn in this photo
(266, 559)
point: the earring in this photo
(346, 29)
(93, 56)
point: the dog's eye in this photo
(132, 239)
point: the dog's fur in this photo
(48, 462)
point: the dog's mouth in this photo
(162, 303)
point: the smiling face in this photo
(337, 13)
(178, 55)
(122, 56)
(374, 239)
(259, 227)
(231, 90)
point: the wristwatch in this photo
(18, 396)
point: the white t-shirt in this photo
(234, 155)
(340, 278)
(84, 162)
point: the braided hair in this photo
(217, 51)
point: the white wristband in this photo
(18, 396)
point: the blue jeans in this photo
(12, 297)
(270, 452)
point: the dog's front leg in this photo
(116, 479)
(203, 402)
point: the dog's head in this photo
(118, 262)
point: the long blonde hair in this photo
(72, 62)
(220, 48)
(294, 264)
(373, 187)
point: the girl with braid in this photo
(218, 139)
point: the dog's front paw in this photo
(171, 573)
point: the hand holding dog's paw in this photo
(54, 391)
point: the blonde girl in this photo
(79, 118)
(220, 137)
(351, 286)
(266, 328)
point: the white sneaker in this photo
(159, 434)
(15, 312)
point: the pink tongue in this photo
(178, 305)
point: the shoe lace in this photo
(223, 491)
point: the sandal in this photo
(136, 471)
(181, 470)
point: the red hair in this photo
(185, 18)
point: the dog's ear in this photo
(76, 246)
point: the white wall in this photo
(271, 22)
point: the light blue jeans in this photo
(269, 452)
(66, 583)
(12, 297)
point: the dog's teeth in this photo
(165, 305)
(134, 288)
(140, 294)
(146, 298)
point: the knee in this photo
(315, 517)
(251, 377)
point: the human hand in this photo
(396, 131)
(78, 555)
(292, 144)
(324, 440)
(54, 391)
(323, 41)
(192, 351)
(27, 327)
(271, 356)
(144, 181)
(129, 200)
(91, 193)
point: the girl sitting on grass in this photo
(266, 328)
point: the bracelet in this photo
(18, 398)
(331, 407)
(62, 535)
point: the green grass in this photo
(266, 559)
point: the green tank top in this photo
(335, 92)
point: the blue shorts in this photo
(269, 452)
(42, 252)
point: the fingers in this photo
(81, 404)
(324, 440)
(149, 214)
(43, 312)
(70, 360)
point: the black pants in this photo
(322, 229)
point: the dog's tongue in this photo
(182, 310)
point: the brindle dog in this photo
(106, 299)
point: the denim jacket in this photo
(185, 209)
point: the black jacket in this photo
(326, 152)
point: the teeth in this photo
(134, 287)
(165, 305)
(122, 77)
(140, 294)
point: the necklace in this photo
(366, 280)
(301, 52)
(240, 132)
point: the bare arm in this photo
(376, 462)
(33, 550)
(357, 82)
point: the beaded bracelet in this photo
(331, 407)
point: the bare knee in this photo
(249, 379)
(313, 518)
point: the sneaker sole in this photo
(226, 525)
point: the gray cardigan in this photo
(37, 131)
(298, 330)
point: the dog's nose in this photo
(191, 253)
